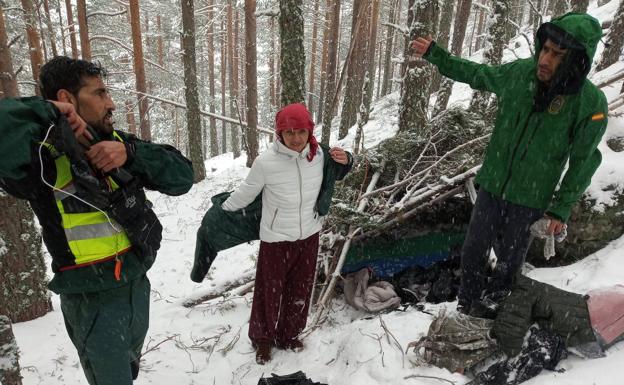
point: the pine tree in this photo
(9, 369)
(139, 70)
(191, 93)
(292, 55)
(615, 40)
(330, 87)
(251, 93)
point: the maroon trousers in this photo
(284, 279)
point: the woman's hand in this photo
(339, 155)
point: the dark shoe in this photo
(134, 368)
(294, 345)
(464, 309)
(263, 352)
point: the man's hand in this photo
(107, 155)
(75, 121)
(555, 226)
(339, 155)
(421, 45)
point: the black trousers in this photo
(504, 226)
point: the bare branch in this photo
(102, 13)
(431, 377)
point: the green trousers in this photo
(108, 329)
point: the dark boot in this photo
(263, 352)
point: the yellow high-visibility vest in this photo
(90, 236)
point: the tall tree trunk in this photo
(367, 93)
(8, 81)
(615, 40)
(42, 33)
(459, 33)
(497, 40)
(324, 69)
(312, 71)
(191, 94)
(61, 26)
(272, 72)
(357, 64)
(560, 7)
(139, 70)
(223, 78)
(214, 144)
(292, 55)
(9, 370)
(161, 47)
(22, 268)
(83, 28)
(233, 76)
(251, 80)
(446, 19)
(34, 42)
(51, 33)
(416, 82)
(480, 25)
(332, 51)
(130, 117)
(71, 28)
(386, 85)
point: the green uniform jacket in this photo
(528, 150)
(530, 301)
(222, 229)
(23, 124)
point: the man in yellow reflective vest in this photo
(85, 182)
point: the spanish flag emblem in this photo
(597, 117)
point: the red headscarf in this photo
(295, 116)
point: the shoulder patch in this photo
(597, 117)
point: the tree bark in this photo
(560, 7)
(223, 78)
(61, 26)
(8, 81)
(191, 94)
(83, 28)
(139, 69)
(386, 85)
(9, 370)
(479, 39)
(444, 31)
(130, 117)
(161, 47)
(233, 76)
(324, 69)
(22, 269)
(497, 40)
(71, 29)
(50, 28)
(330, 87)
(312, 70)
(251, 80)
(457, 43)
(272, 72)
(367, 96)
(34, 41)
(416, 82)
(357, 65)
(214, 144)
(292, 55)
(615, 40)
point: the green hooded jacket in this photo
(529, 149)
(24, 123)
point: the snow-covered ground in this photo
(208, 344)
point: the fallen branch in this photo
(431, 377)
(170, 338)
(388, 335)
(232, 289)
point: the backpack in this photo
(456, 341)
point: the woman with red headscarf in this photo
(291, 176)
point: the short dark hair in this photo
(63, 72)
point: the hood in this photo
(580, 34)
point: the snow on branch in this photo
(270, 12)
(401, 28)
(102, 13)
(202, 112)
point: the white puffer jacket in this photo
(290, 185)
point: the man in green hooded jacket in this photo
(548, 114)
(88, 195)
